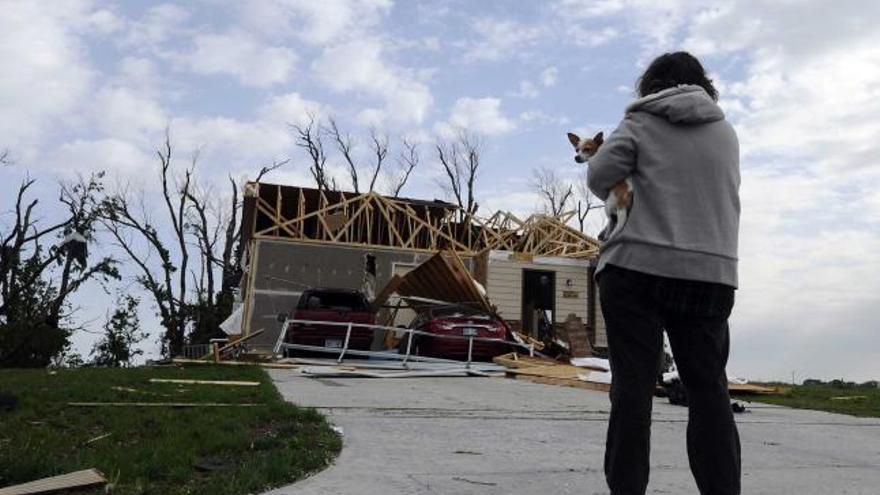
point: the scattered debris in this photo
(467, 452)
(850, 397)
(230, 383)
(347, 372)
(482, 483)
(207, 465)
(88, 478)
(179, 361)
(548, 371)
(161, 404)
(105, 435)
(338, 429)
(592, 363)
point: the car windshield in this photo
(336, 301)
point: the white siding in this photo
(504, 286)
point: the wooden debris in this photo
(238, 342)
(527, 340)
(514, 360)
(565, 382)
(850, 397)
(546, 371)
(88, 478)
(235, 363)
(749, 388)
(160, 404)
(105, 435)
(230, 383)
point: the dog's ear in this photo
(573, 139)
(599, 138)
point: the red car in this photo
(336, 306)
(457, 321)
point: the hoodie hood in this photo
(684, 104)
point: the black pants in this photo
(637, 308)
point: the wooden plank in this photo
(231, 383)
(240, 341)
(86, 478)
(749, 388)
(235, 363)
(565, 382)
(514, 360)
(162, 404)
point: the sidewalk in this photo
(500, 436)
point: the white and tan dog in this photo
(620, 198)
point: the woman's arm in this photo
(615, 160)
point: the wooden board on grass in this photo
(160, 404)
(230, 383)
(87, 478)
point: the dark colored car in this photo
(456, 321)
(332, 306)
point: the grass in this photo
(864, 402)
(217, 450)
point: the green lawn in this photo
(218, 450)
(859, 401)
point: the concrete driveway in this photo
(500, 436)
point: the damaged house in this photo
(536, 272)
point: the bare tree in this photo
(554, 191)
(379, 148)
(586, 201)
(131, 224)
(345, 144)
(460, 159)
(407, 160)
(5, 158)
(308, 137)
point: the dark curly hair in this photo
(670, 70)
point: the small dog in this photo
(620, 198)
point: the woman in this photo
(673, 267)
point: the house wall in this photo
(285, 268)
(504, 287)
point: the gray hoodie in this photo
(683, 159)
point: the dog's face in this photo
(585, 148)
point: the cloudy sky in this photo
(91, 85)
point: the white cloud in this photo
(360, 67)
(500, 38)
(315, 22)
(527, 89)
(46, 70)
(481, 115)
(120, 158)
(591, 38)
(654, 24)
(128, 114)
(541, 117)
(239, 54)
(290, 108)
(805, 111)
(587, 9)
(159, 23)
(549, 76)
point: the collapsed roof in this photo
(370, 219)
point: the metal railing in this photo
(199, 351)
(280, 344)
